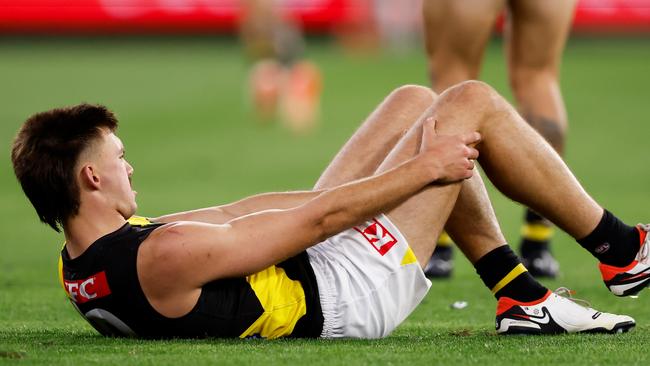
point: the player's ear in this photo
(88, 177)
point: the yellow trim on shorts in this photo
(283, 300)
(537, 232)
(519, 269)
(409, 257)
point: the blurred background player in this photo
(281, 83)
(535, 33)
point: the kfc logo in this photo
(378, 236)
(91, 288)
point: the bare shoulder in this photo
(172, 265)
(177, 249)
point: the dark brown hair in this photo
(45, 152)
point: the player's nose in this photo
(129, 169)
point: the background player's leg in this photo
(377, 136)
(456, 32)
(536, 32)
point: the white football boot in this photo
(556, 313)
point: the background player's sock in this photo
(504, 275)
(612, 242)
(536, 234)
(444, 240)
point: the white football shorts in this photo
(368, 279)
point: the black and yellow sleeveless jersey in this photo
(102, 283)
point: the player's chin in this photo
(129, 210)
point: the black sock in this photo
(612, 242)
(495, 268)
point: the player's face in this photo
(115, 175)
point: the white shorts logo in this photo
(378, 236)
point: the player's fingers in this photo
(430, 124)
(470, 165)
(471, 138)
(472, 153)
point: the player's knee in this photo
(472, 92)
(474, 98)
(413, 93)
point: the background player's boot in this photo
(539, 260)
(629, 280)
(441, 263)
(556, 313)
(264, 87)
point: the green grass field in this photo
(193, 143)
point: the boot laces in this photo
(568, 294)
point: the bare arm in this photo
(224, 213)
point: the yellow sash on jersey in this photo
(283, 300)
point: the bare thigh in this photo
(368, 147)
(457, 32)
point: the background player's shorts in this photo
(369, 280)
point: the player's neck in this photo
(90, 224)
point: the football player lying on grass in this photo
(342, 260)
